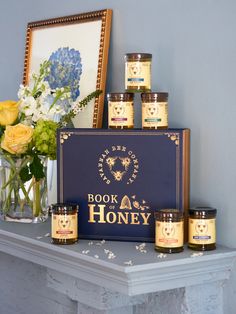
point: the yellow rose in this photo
(16, 138)
(8, 112)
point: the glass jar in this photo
(154, 110)
(138, 72)
(64, 223)
(169, 231)
(202, 229)
(20, 200)
(120, 110)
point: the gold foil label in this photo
(169, 234)
(155, 114)
(120, 113)
(64, 226)
(202, 231)
(138, 74)
(118, 164)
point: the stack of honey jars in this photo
(138, 80)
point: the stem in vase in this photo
(36, 198)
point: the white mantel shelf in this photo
(147, 274)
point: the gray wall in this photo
(194, 59)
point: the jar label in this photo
(155, 114)
(120, 113)
(202, 231)
(169, 234)
(65, 226)
(138, 74)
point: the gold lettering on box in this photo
(93, 213)
(98, 198)
(123, 218)
(145, 217)
(111, 217)
(134, 219)
(113, 209)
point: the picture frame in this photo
(82, 39)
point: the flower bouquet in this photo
(28, 139)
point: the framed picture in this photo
(79, 44)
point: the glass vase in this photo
(22, 201)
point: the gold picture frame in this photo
(89, 35)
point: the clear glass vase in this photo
(22, 201)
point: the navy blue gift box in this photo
(120, 177)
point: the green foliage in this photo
(25, 174)
(36, 168)
(44, 138)
(83, 103)
(32, 169)
(1, 131)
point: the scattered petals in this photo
(141, 248)
(39, 238)
(96, 256)
(90, 243)
(129, 263)
(47, 235)
(196, 254)
(111, 255)
(101, 243)
(161, 255)
(85, 251)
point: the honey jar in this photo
(169, 231)
(202, 229)
(120, 110)
(64, 223)
(154, 110)
(138, 72)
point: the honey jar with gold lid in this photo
(64, 223)
(138, 72)
(120, 110)
(169, 230)
(202, 229)
(154, 110)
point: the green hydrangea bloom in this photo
(44, 138)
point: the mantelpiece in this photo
(134, 276)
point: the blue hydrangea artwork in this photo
(65, 70)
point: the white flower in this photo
(46, 91)
(22, 91)
(28, 105)
(27, 121)
(37, 116)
